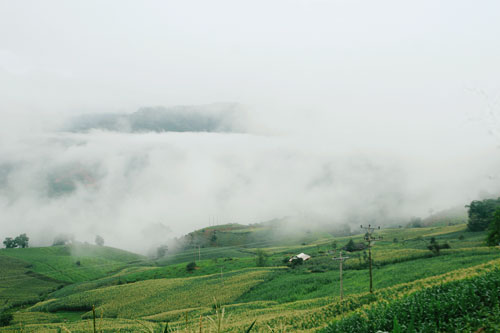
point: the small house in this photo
(302, 256)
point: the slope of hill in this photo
(272, 233)
(299, 299)
(20, 285)
(452, 216)
(73, 263)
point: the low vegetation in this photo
(464, 305)
(232, 288)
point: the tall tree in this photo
(481, 213)
(494, 230)
(9, 243)
(22, 240)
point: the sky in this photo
(387, 109)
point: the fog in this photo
(143, 121)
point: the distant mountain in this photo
(220, 117)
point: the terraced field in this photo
(74, 263)
(140, 295)
(20, 285)
(151, 297)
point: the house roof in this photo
(303, 256)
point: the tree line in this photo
(20, 241)
(485, 215)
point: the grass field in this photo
(73, 263)
(20, 285)
(134, 294)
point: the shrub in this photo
(5, 318)
(295, 262)
(352, 247)
(261, 259)
(191, 266)
(435, 247)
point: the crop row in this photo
(465, 305)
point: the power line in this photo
(341, 260)
(370, 239)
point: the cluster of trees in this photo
(494, 229)
(352, 247)
(485, 215)
(202, 238)
(435, 247)
(20, 241)
(481, 213)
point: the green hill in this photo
(28, 275)
(73, 263)
(19, 284)
(124, 286)
(451, 216)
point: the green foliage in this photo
(9, 243)
(261, 258)
(494, 230)
(5, 318)
(350, 246)
(295, 261)
(153, 297)
(191, 266)
(19, 285)
(435, 247)
(300, 299)
(58, 262)
(455, 306)
(310, 285)
(22, 241)
(481, 213)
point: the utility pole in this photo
(370, 240)
(199, 253)
(341, 260)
